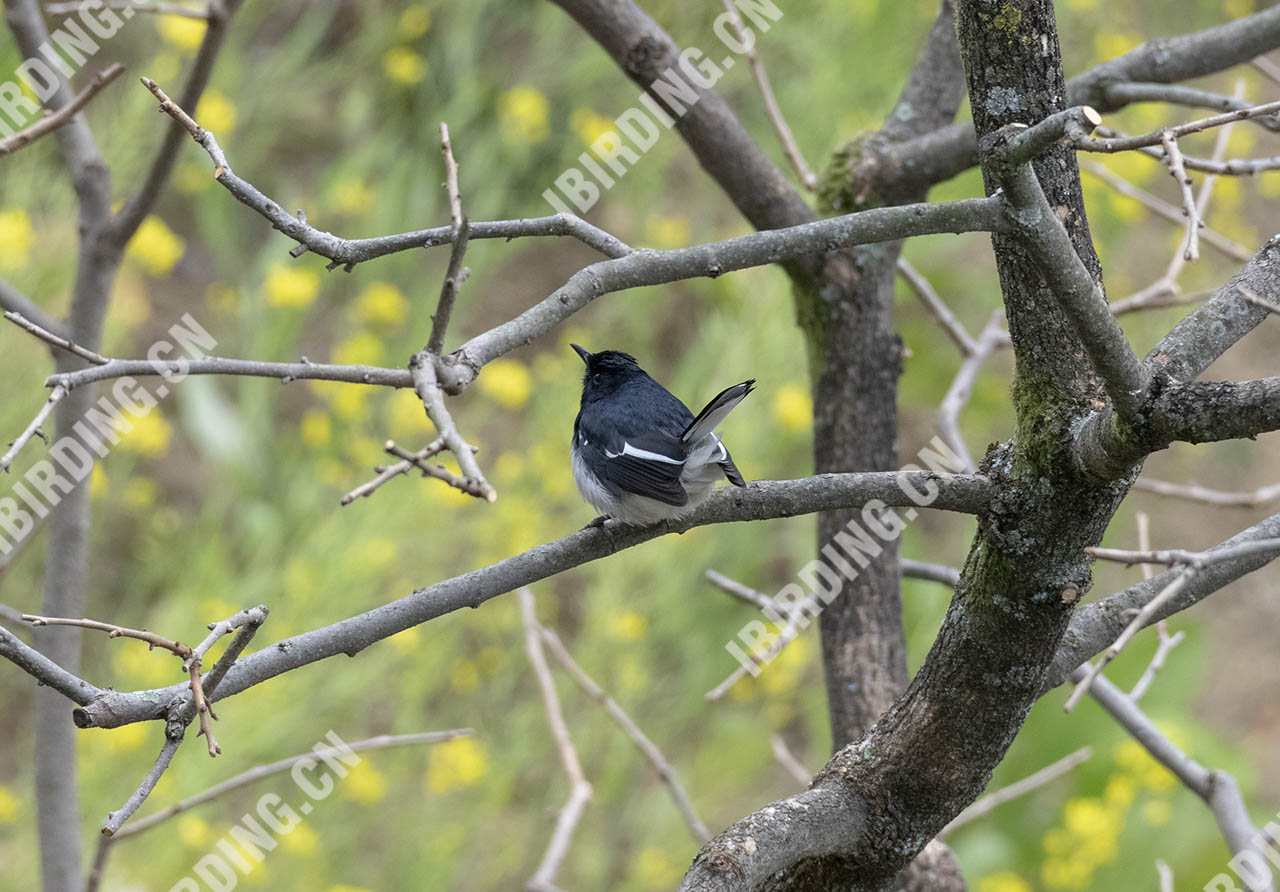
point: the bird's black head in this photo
(606, 371)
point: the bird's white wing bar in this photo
(635, 452)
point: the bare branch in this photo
(666, 773)
(348, 252)
(938, 573)
(1165, 642)
(1095, 625)
(14, 300)
(284, 372)
(579, 790)
(759, 500)
(461, 232)
(1173, 160)
(922, 289)
(52, 120)
(33, 429)
(1156, 137)
(190, 12)
(790, 148)
(46, 671)
(116, 819)
(470, 485)
(992, 338)
(1217, 788)
(125, 223)
(1124, 93)
(416, 459)
(55, 339)
(788, 760)
(1157, 205)
(996, 798)
(425, 384)
(1250, 499)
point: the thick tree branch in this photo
(760, 500)
(46, 671)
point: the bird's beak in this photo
(585, 354)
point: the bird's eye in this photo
(596, 377)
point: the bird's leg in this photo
(598, 523)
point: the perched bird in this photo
(639, 454)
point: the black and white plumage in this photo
(639, 454)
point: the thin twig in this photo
(1192, 563)
(60, 118)
(190, 12)
(579, 789)
(115, 820)
(461, 233)
(789, 762)
(666, 773)
(1156, 137)
(348, 252)
(1165, 872)
(992, 338)
(790, 147)
(54, 339)
(390, 472)
(996, 798)
(1165, 642)
(33, 429)
(107, 843)
(746, 594)
(922, 289)
(422, 368)
(1243, 499)
(1173, 160)
(939, 573)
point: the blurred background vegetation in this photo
(227, 496)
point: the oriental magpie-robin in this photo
(639, 454)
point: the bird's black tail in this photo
(715, 412)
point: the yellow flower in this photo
(1238, 8)
(506, 381)
(508, 467)
(193, 831)
(97, 482)
(182, 31)
(463, 675)
(150, 435)
(381, 304)
(216, 112)
(341, 887)
(361, 348)
(626, 625)
(10, 806)
(667, 232)
(156, 247)
(16, 238)
(365, 784)
(415, 20)
(404, 66)
(655, 869)
(291, 286)
(141, 492)
(141, 666)
(351, 195)
(1120, 791)
(301, 839)
(1157, 812)
(523, 112)
(785, 673)
(490, 659)
(127, 738)
(405, 413)
(1003, 882)
(406, 642)
(588, 125)
(793, 407)
(316, 429)
(455, 765)
(191, 178)
(352, 404)
(1109, 44)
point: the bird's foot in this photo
(598, 523)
